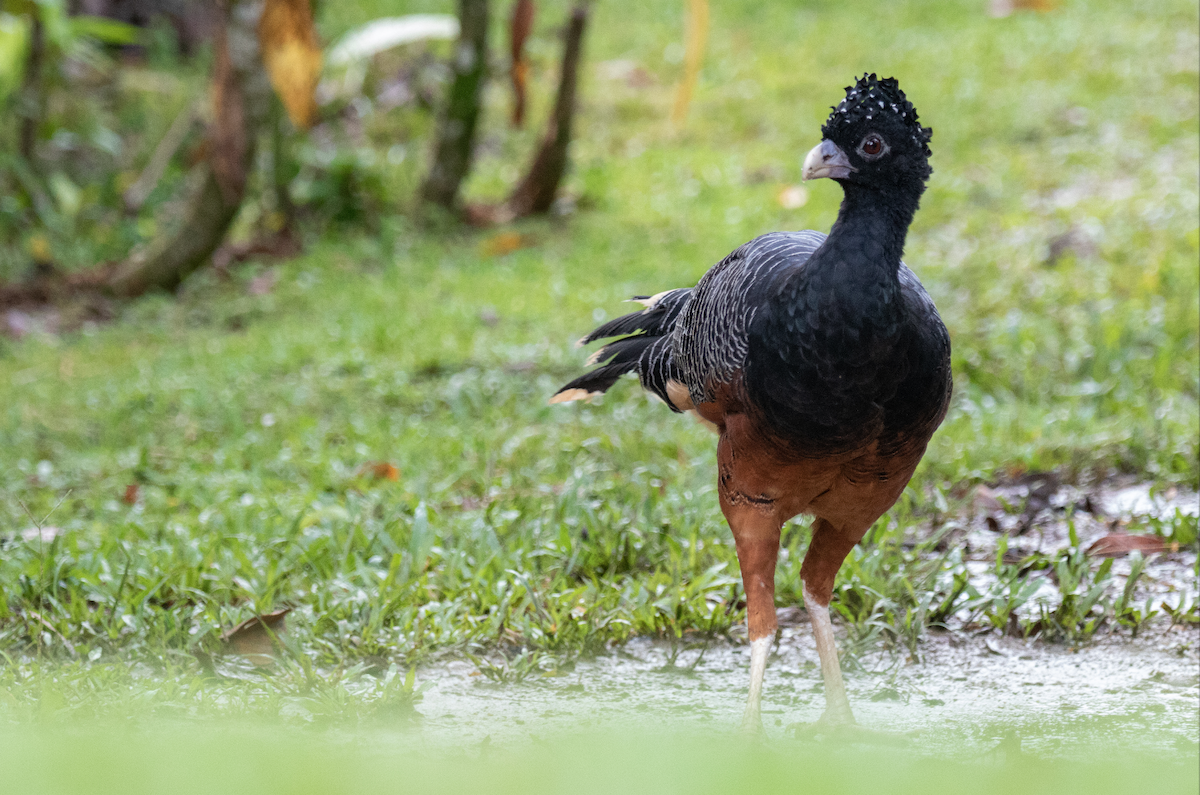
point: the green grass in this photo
(247, 421)
(237, 759)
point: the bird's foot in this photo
(840, 727)
(752, 726)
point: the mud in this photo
(967, 695)
(963, 692)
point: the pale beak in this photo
(826, 160)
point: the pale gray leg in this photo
(760, 649)
(837, 706)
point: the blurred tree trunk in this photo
(32, 102)
(456, 128)
(242, 99)
(520, 25)
(536, 192)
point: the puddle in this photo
(967, 694)
(1138, 500)
(969, 691)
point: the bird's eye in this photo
(872, 145)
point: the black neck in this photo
(873, 223)
(854, 275)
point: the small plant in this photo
(398, 695)
(511, 670)
(1186, 611)
(1080, 592)
(1010, 591)
(1178, 527)
(1126, 613)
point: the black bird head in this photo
(873, 140)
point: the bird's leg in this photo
(760, 649)
(828, 549)
(837, 706)
(756, 533)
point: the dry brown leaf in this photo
(131, 494)
(256, 637)
(292, 55)
(1116, 545)
(503, 243)
(380, 470)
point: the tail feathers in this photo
(592, 385)
(655, 320)
(624, 354)
(626, 350)
(646, 352)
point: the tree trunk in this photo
(242, 97)
(32, 102)
(519, 27)
(535, 193)
(456, 129)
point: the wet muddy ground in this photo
(964, 691)
(967, 694)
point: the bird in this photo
(819, 360)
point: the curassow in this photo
(819, 360)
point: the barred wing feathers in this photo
(711, 339)
(697, 336)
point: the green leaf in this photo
(14, 40)
(105, 31)
(17, 7)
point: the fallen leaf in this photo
(292, 55)
(994, 648)
(131, 494)
(792, 197)
(257, 637)
(380, 470)
(503, 243)
(1116, 545)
